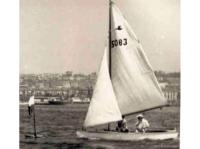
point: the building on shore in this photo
(68, 85)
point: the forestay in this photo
(134, 83)
(103, 106)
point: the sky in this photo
(70, 35)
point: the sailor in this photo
(122, 125)
(142, 124)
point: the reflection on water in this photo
(58, 123)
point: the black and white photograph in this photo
(99, 74)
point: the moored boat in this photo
(55, 102)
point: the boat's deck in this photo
(132, 131)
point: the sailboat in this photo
(125, 85)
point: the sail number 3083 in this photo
(119, 42)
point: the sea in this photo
(57, 125)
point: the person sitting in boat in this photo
(142, 124)
(122, 125)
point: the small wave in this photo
(23, 103)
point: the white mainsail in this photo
(133, 87)
(134, 83)
(103, 106)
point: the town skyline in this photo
(86, 73)
(69, 85)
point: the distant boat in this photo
(79, 100)
(43, 100)
(55, 101)
(126, 85)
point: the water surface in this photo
(58, 124)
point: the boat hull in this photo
(131, 136)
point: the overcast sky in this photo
(61, 35)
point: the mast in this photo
(109, 46)
(109, 40)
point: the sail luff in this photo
(109, 46)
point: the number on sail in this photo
(119, 42)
